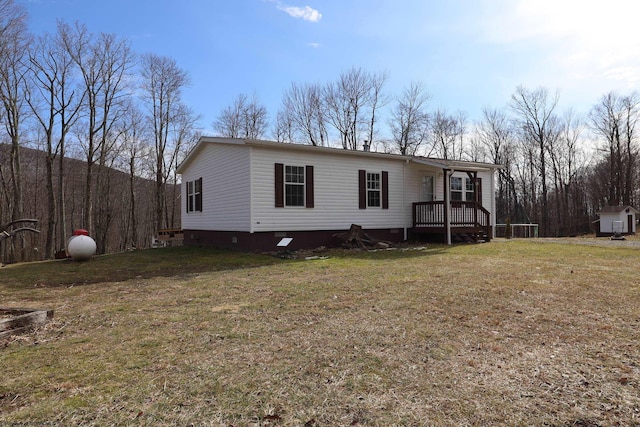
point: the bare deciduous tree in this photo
(162, 85)
(567, 162)
(104, 62)
(14, 43)
(55, 107)
(303, 110)
(538, 126)
(346, 101)
(409, 123)
(136, 149)
(284, 127)
(495, 135)
(447, 135)
(245, 118)
(377, 100)
(184, 137)
(614, 120)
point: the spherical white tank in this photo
(81, 247)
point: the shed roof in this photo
(617, 209)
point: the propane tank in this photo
(80, 246)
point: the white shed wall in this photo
(607, 220)
(225, 171)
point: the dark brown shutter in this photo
(308, 183)
(385, 190)
(199, 196)
(279, 186)
(362, 189)
(186, 193)
(479, 191)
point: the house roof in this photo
(617, 209)
(429, 161)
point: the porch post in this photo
(475, 198)
(447, 206)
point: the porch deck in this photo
(468, 219)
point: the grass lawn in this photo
(505, 333)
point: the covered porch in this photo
(462, 220)
(454, 212)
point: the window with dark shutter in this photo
(194, 195)
(294, 186)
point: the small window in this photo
(294, 188)
(469, 190)
(373, 189)
(456, 188)
(194, 195)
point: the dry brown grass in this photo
(506, 333)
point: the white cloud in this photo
(315, 45)
(591, 39)
(307, 13)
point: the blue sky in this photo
(467, 53)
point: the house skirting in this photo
(268, 241)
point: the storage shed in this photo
(621, 219)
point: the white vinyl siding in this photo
(225, 173)
(335, 188)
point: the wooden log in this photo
(23, 320)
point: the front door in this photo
(630, 224)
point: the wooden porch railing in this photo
(463, 214)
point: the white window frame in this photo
(288, 183)
(193, 192)
(469, 195)
(456, 188)
(463, 187)
(374, 186)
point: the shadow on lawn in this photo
(143, 264)
(175, 261)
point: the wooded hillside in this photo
(124, 212)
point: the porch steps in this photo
(478, 237)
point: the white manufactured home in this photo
(249, 194)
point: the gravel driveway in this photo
(629, 242)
